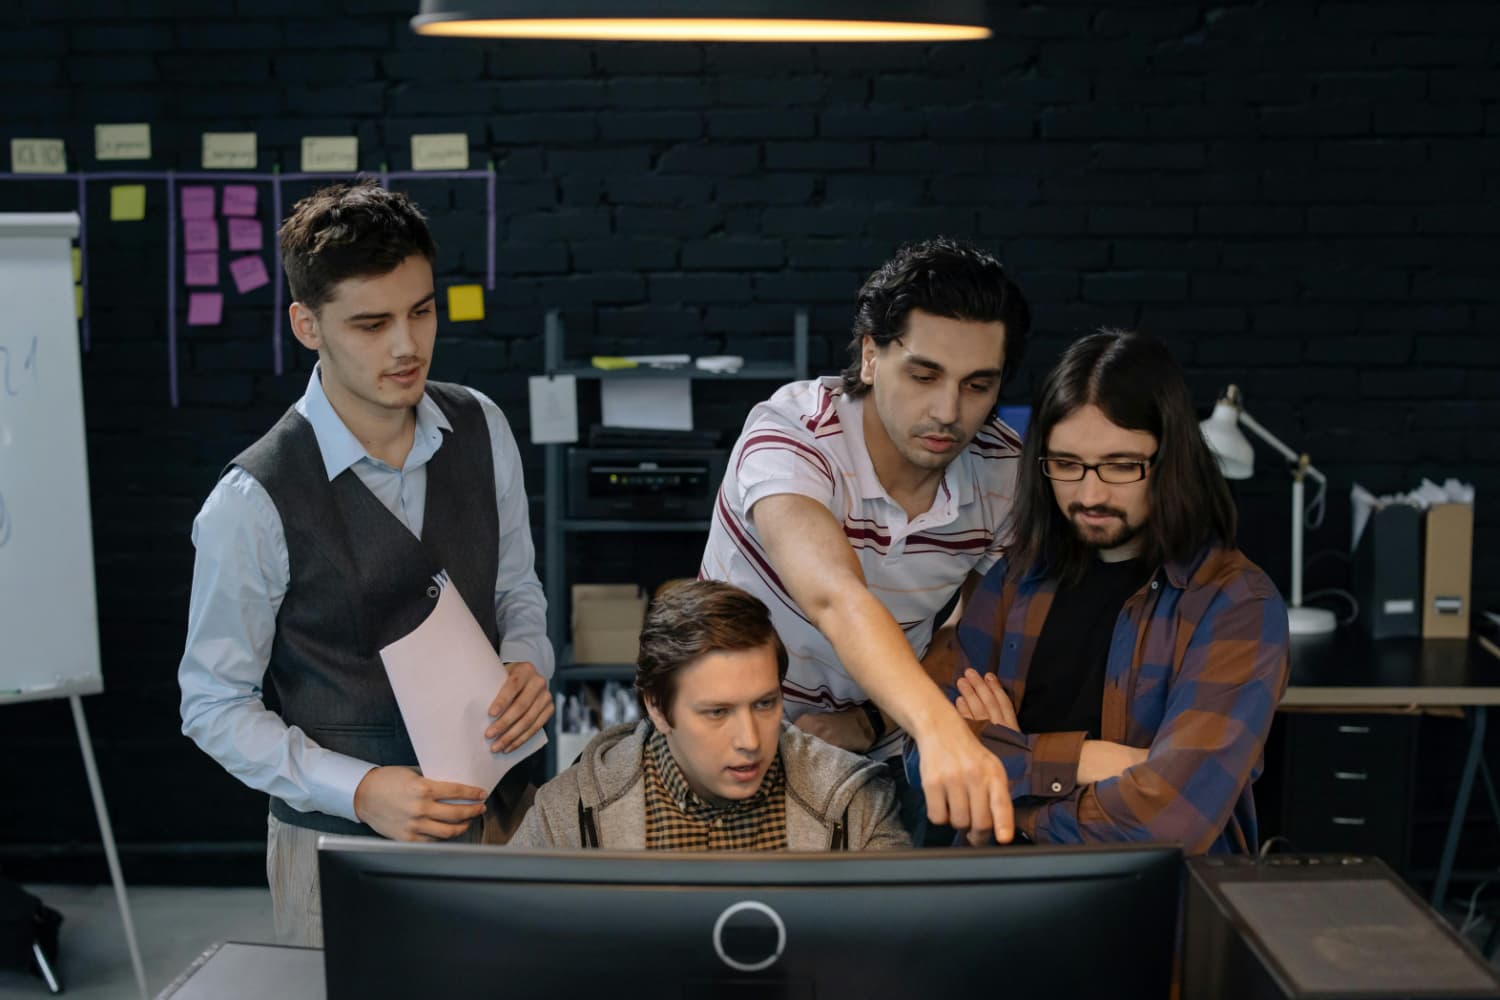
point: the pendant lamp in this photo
(707, 20)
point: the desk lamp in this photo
(1237, 461)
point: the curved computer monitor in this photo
(410, 920)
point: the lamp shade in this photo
(1229, 445)
(707, 20)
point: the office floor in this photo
(173, 926)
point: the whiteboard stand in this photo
(107, 834)
(46, 552)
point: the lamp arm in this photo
(1295, 458)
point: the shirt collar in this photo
(338, 445)
(1178, 572)
(688, 801)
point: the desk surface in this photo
(1347, 668)
(236, 971)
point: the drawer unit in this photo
(1348, 784)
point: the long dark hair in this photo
(941, 277)
(1135, 381)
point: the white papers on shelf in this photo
(648, 403)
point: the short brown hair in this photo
(346, 231)
(691, 620)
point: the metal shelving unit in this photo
(557, 526)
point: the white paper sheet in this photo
(445, 675)
(653, 403)
(554, 408)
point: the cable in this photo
(1337, 592)
(1265, 849)
(1319, 504)
(1469, 922)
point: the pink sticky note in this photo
(239, 199)
(199, 235)
(249, 273)
(205, 308)
(201, 268)
(197, 202)
(244, 234)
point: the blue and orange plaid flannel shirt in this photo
(1197, 665)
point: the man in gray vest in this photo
(319, 546)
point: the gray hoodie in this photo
(832, 797)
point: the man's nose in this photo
(944, 404)
(746, 734)
(1092, 491)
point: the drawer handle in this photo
(1348, 821)
(1355, 729)
(1351, 775)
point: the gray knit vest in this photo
(360, 580)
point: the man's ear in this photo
(304, 323)
(658, 717)
(867, 351)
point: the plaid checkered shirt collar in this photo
(675, 784)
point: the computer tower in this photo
(1331, 927)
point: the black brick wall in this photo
(1299, 196)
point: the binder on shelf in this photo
(1388, 572)
(1448, 571)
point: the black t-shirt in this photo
(1065, 684)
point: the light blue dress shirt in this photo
(240, 577)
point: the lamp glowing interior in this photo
(705, 29)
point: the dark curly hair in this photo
(346, 231)
(942, 277)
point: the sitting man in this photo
(1125, 659)
(713, 767)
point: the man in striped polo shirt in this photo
(855, 506)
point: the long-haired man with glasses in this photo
(1125, 659)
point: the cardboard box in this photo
(1388, 573)
(1448, 566)
(607, 622)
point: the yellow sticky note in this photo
(465, 303)
(127, 203)
(77, 264)
(610, 363)
(78, 300)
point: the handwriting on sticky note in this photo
(205, 308)
(244, 234)
(249, 273)
(197, 202)
(440, 151)
(465, 303)
(199, 235)
(229, 151)
(239, 199)
(330, 153)
(122, 142)
(37, 156)
(127, 203)
(200, 268)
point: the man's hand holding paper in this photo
(523, 706)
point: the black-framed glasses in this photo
(1068, 470)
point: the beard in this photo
(1110, 535)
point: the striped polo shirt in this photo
(808, 439)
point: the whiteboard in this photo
(49, 632)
